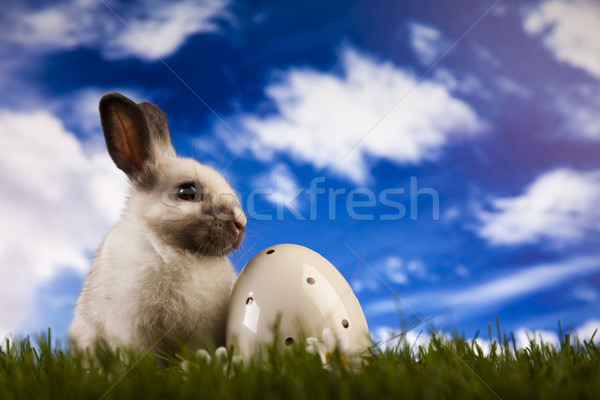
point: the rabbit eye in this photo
(189, 192)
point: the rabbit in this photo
(161, 276)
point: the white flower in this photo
(325, 348)
(203, 354)
(220, 355)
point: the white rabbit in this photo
(161, 275)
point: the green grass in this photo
(446, 368)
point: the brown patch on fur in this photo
(207, 233)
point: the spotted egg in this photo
(296, 290)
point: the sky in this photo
(443, 155)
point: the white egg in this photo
(301, 291)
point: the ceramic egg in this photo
(299, 290)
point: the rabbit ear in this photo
(134, 138)
(126, 133)
(159, 129)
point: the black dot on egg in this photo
(289, 341)
(270, 251)
(249, 301)
(345, 323)
(310, 280)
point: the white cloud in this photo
(570, 30)
(451, 214)
(166, 28)
(3, 337)
(530, 280)
(524, 336)
(206, 146)
(487, 55)
(386, 306)
(159, 27)
(587, 293)
(389, 338)
(427, 42)
(57, 202)
(464, 84)
(281, 185)
(462, 271)
(395, 271)
(512, 87)
(484, 345)
(498, 291)
(79, 109)
(587, 330)
(560, 206)
(418, 269)
(399, 271)
(322, 116)
(360, 284)
(579, 107)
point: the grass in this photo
(445, 368)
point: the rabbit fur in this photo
(161, 275)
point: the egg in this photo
(298, 290)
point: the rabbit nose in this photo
(238, 224)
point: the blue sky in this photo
(465, 135)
